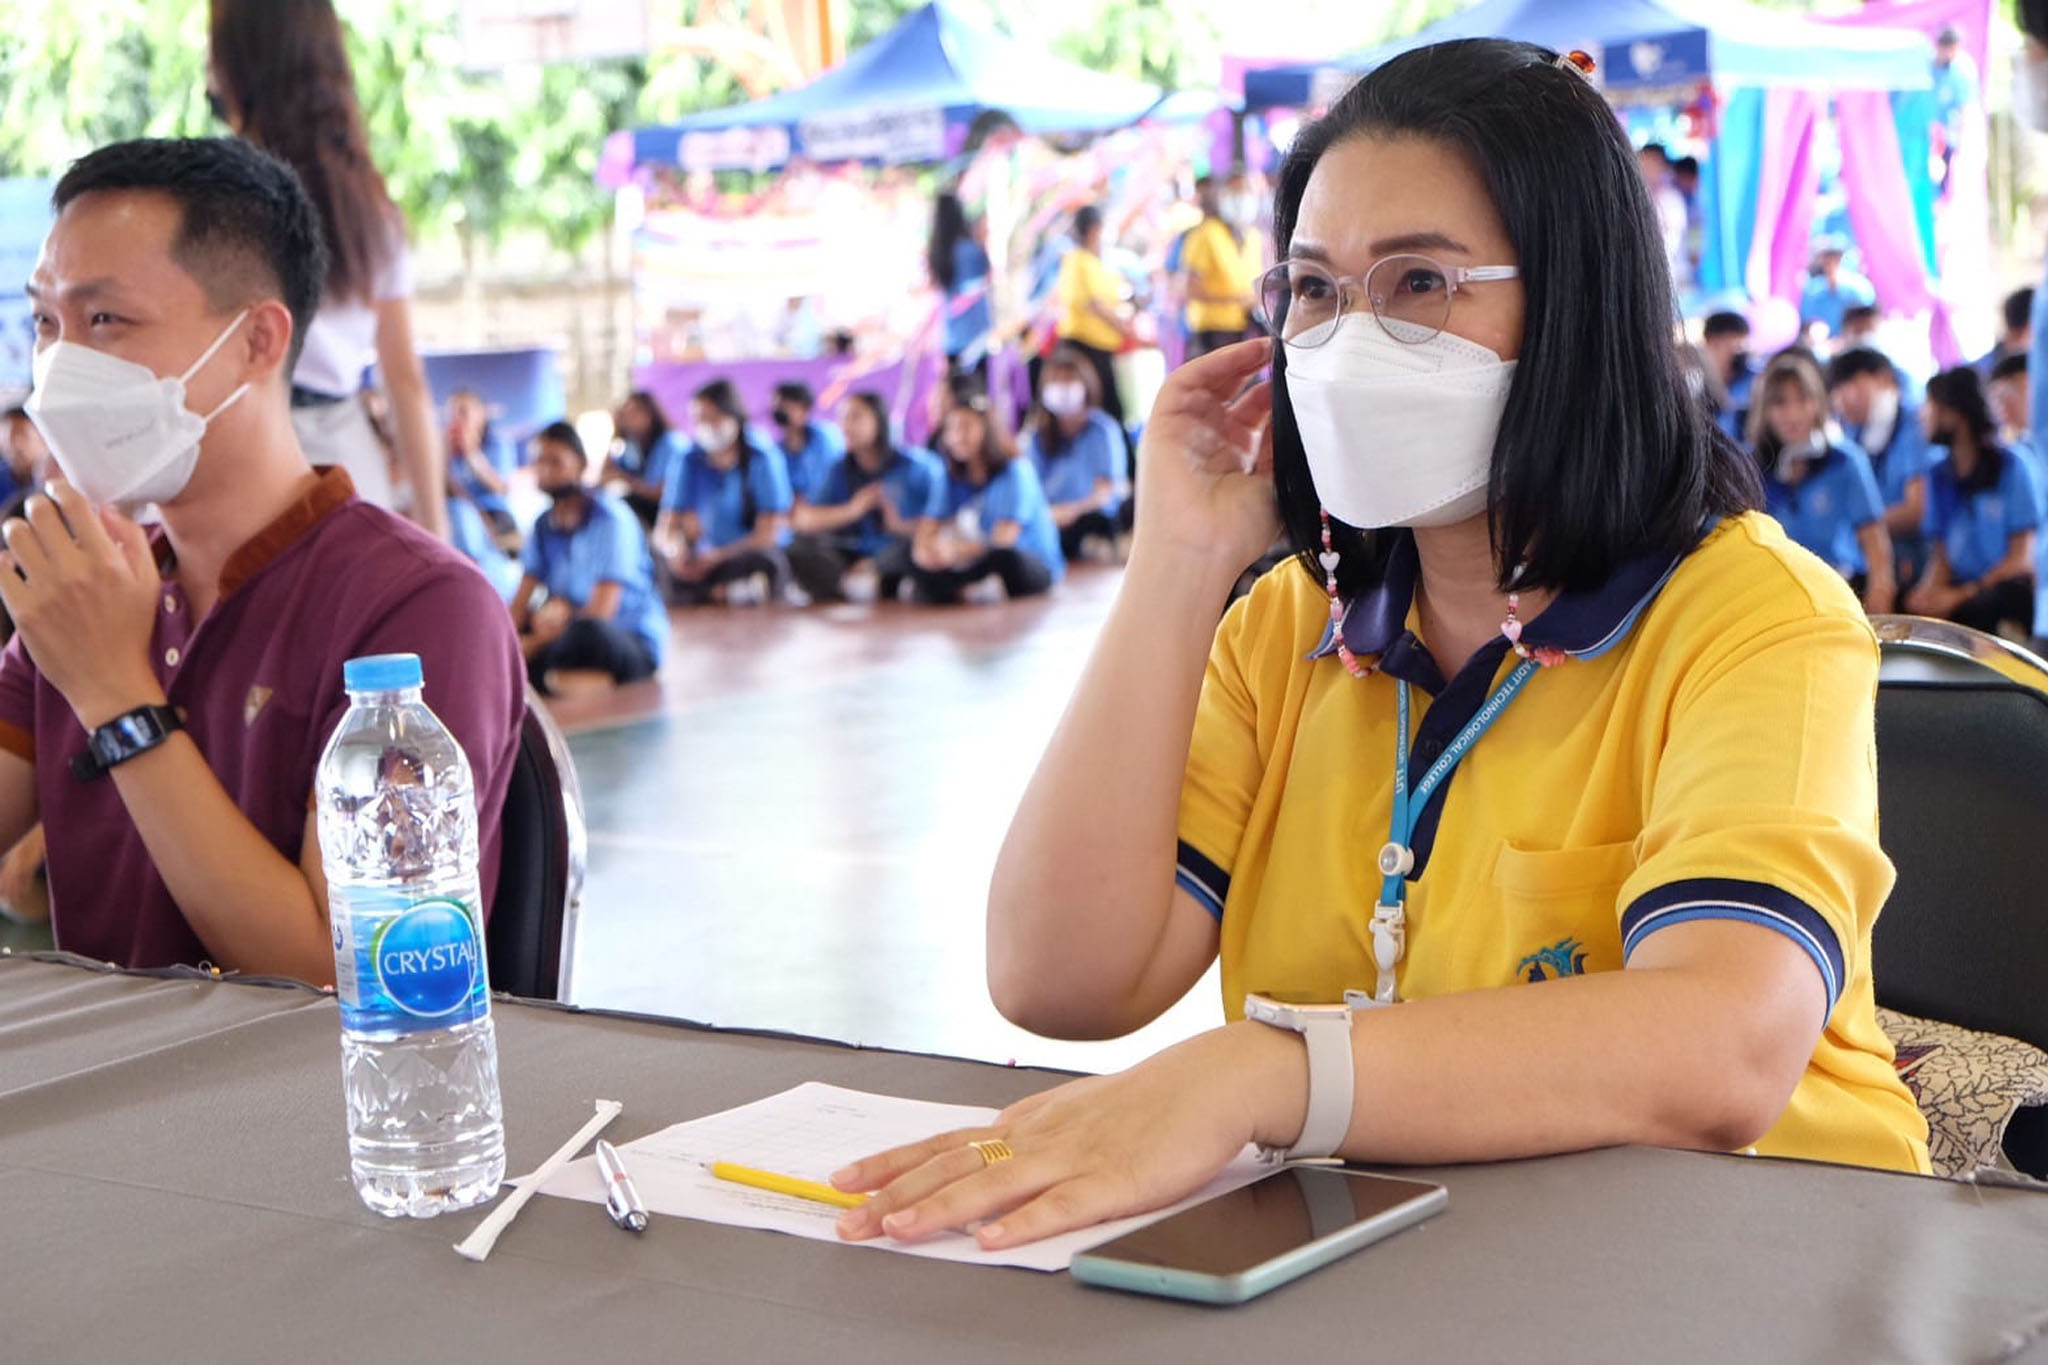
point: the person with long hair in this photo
(1984, 512)
(1533, 580)
(279, 76)
(1820, 488)
(957, 257)
(855, 530)
(1078, 453)
(724, 527)
(648, 453)
(992, 523)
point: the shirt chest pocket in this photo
(1557, 909)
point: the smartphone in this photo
(1239, 1245)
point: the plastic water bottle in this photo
(419, 1055)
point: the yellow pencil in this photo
(786, 1184)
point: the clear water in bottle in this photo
(397, 822)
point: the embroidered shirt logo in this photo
(1566, 957)
(253, 704)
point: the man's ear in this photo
(268, 338)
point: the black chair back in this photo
(531, 932)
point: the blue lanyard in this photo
(1397, 859)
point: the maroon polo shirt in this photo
(258, 682)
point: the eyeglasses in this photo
(1301, 302)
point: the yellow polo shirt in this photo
(1083, 277)
(1705, 750)
(1220, 264)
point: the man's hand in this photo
(552, 619)
(82, 587)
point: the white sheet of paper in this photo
(809, 1132)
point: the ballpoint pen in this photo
(621, 1200)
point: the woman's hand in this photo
(1205, 481)
(1092, 1150)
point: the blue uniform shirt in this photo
(823, 447)
(719, 496)
(1838, 498)
(1013, 495)
(500, 456)
(1904, 457)
(1822, 302)
(656, 467)
(913, 480)
(609, 547)
(968, 316)
(1976, 527)
(1096, 452)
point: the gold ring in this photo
(992, 1150)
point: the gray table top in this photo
(173, 1185)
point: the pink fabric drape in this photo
(1787, 181)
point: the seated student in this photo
(811, 447)
(1078, 454)
(1984, 511)
(2016, 337)
(603, 622)
(1725, 340)
(649, 453)
(1638, 911)
(993, 524)
(480, 464)
(855, 531)
(725, 517)
(1821, 490)
(206, 661)
(1859, 327)
(24, 460)
(1880, 418)
(2012, 398)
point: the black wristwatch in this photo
(123, 738)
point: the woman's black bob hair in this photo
(1604, 452)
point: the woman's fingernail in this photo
(991, 1233)
(844, 1174)
(850, 1221)
(896, 1224)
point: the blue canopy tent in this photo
(902, 98)
(1648, 50)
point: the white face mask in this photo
(2030, 92)
(122, 435)
(713, 437)
(1240, 210)
(1064, 400)
(1884, 418)
(1398, 434)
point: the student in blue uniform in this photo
(1078, 453)
(994, 522)
(1880, 417)
(724, 523)
(811, 447)
(855, 531)
(1724, 338)
(1819, 488)
(480, 465)
(1983, 514)
(648, 453)
(601, 622)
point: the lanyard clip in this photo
(1389, 945)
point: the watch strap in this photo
(1331, 1081)
(126, 737)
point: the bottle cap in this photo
(382, 673)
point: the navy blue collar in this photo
(1583, 625)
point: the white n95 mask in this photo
(1397, 434)
(122, 436)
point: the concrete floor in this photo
(794, 828)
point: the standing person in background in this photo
(1820, 490)
(724, 523)
(602, 622)
(279, 76)
(648, 455)
(957, 256)
(1668, 200)
(1094, 317)
(1078, 454)
(1983, 513)
(811, 447)
(1879, 417)
(1220, 262)
(1832, 289)
(1956, 92)
(994, 522)
(2030, 108)
(855, 530)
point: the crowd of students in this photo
(1929, 498)
(801, 508)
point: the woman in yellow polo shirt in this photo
(1623, 886)
(1094, 317)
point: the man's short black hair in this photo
(248, 227)
(1725, 324)
(797, 392)
(1856, 314)
(2010, 367)
(1856, 362)
(566, 436)
(2019, 309)
(1086, 220)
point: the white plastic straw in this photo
(478, 1244)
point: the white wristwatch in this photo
(1327, 1031)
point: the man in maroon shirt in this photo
(266, 577)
